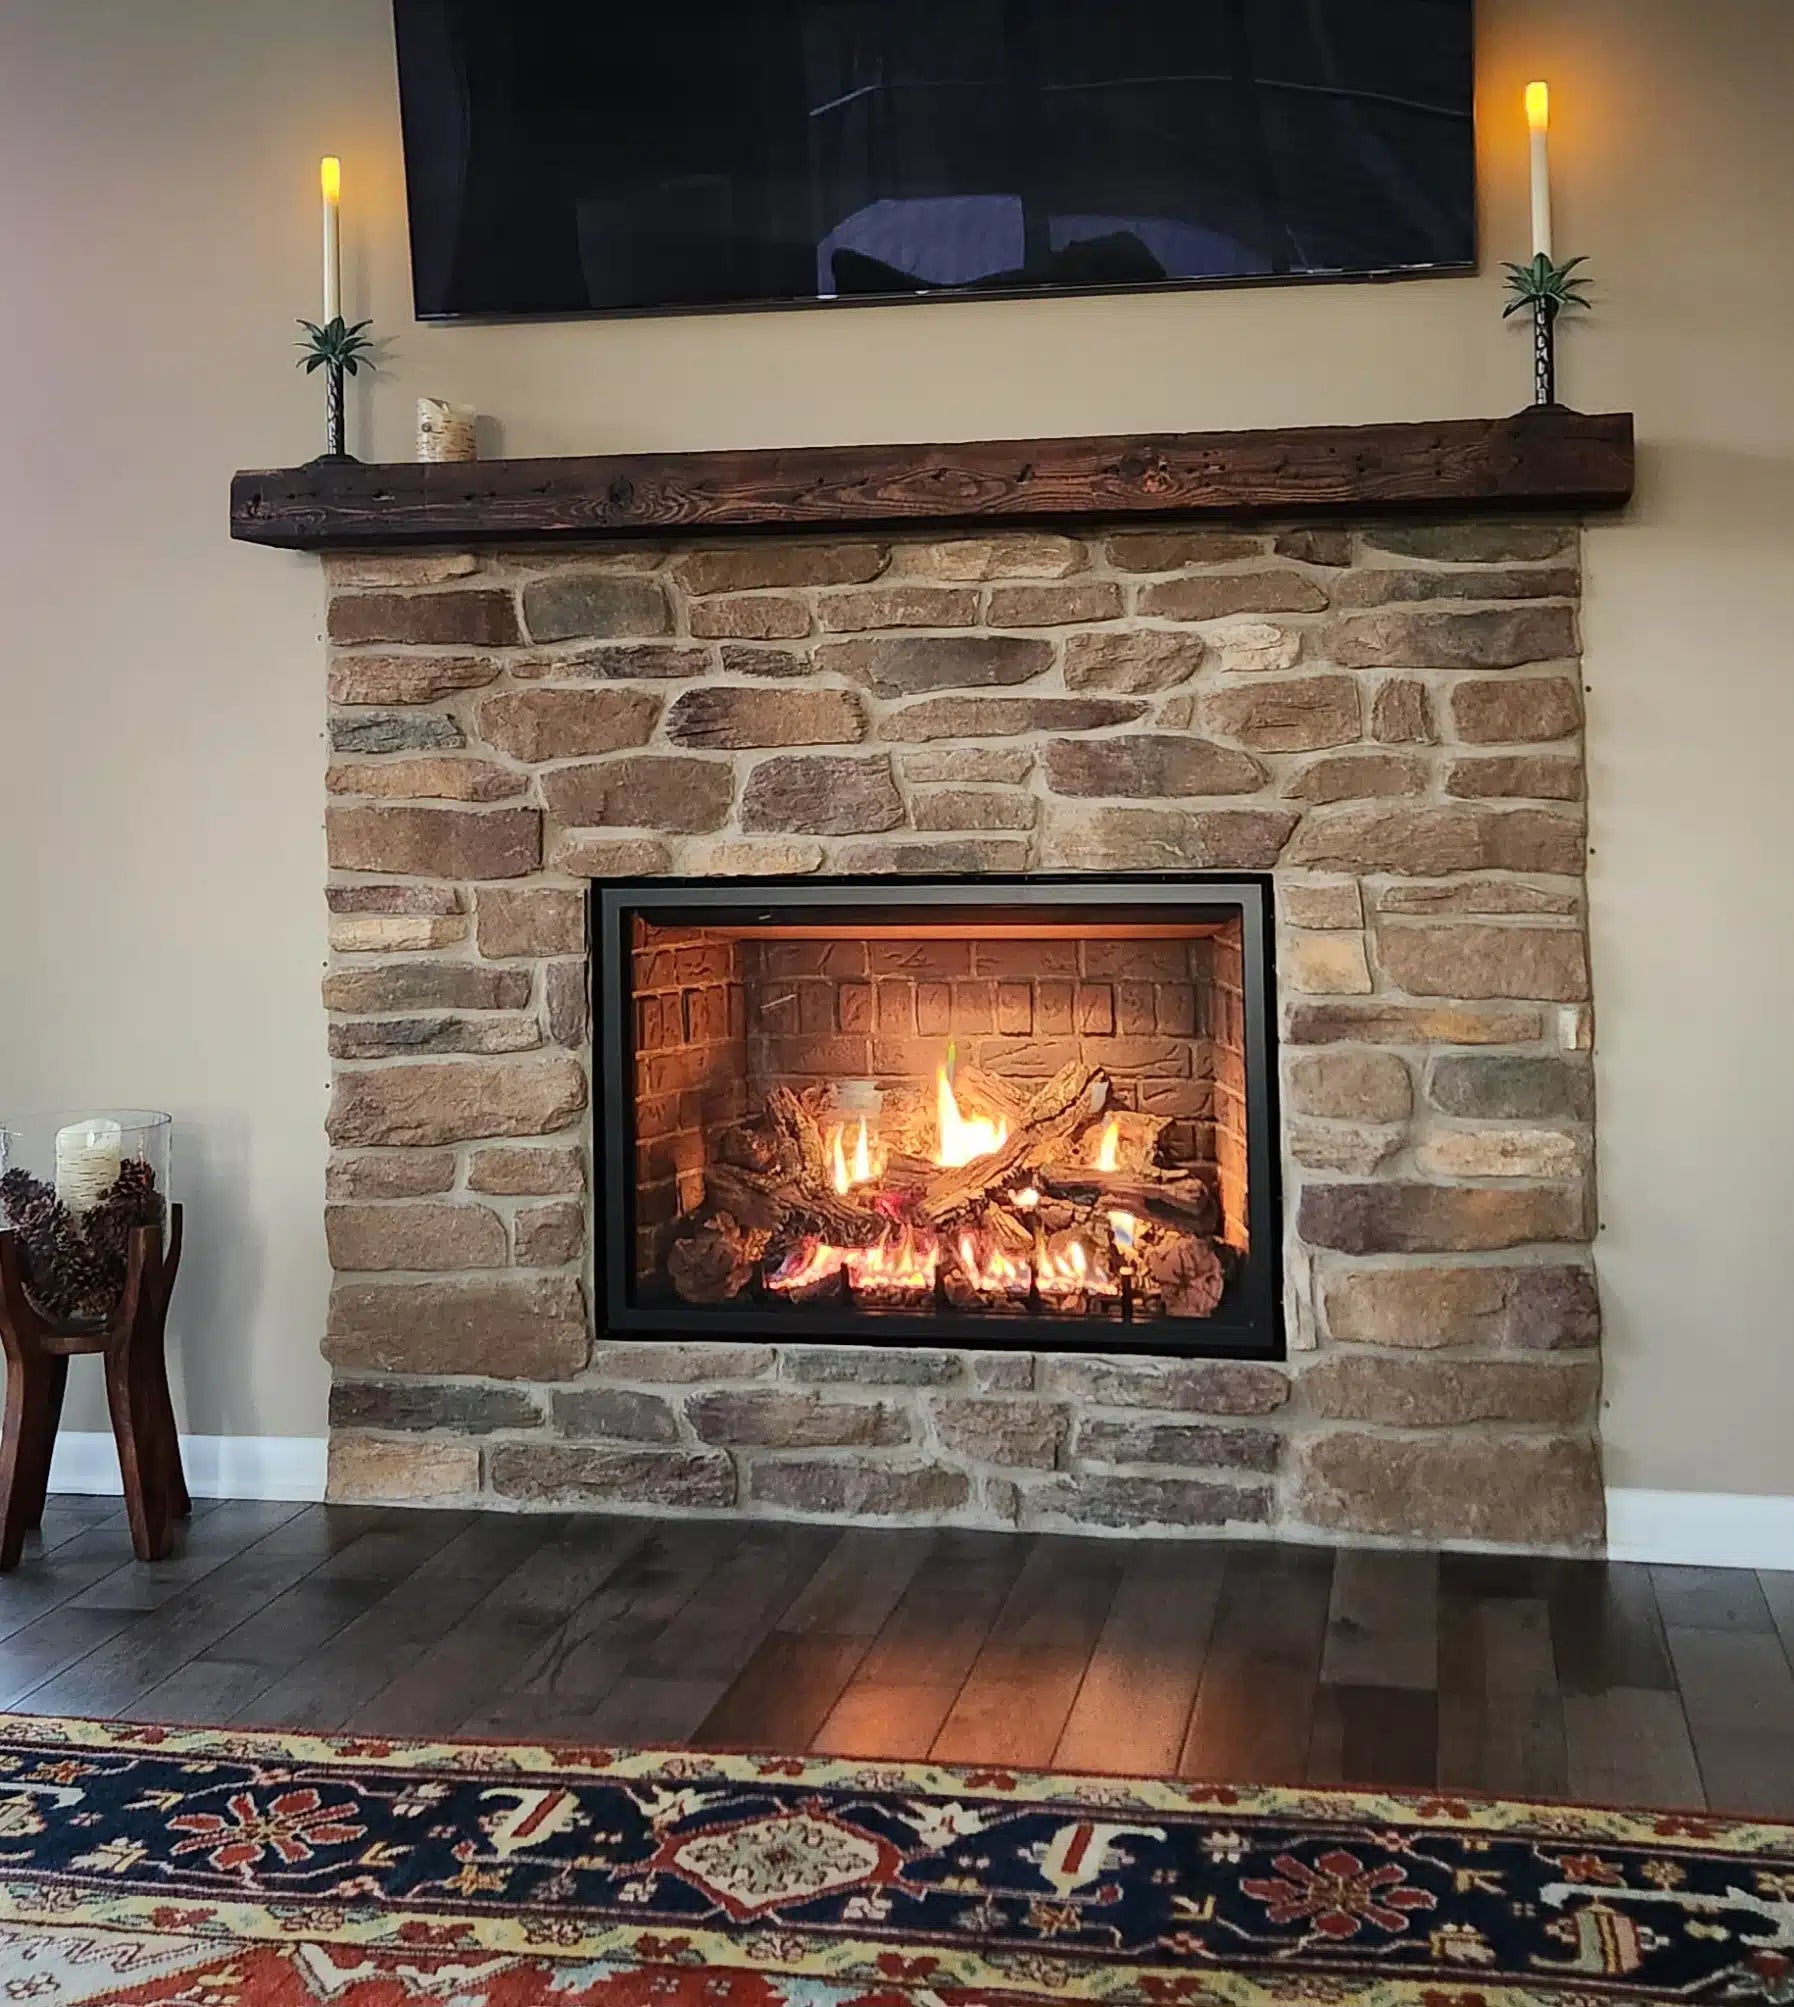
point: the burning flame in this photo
(1126, 1229)
(996, 1273)
(902, 1259)
(905, 1260)
(858, 1171)
(1108, 1147)
(963, 1137)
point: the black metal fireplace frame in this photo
(1249, 1322)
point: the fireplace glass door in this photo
(1009, 1113)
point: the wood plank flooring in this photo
(1248, 1661)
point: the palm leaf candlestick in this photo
(1548, 290)
(337, 347)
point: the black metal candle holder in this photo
(338, 349)
(333, 412)
(1547, 290)
(1544, 352)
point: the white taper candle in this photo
(1538, 121)
(330, 180)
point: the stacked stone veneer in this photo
(1386, 717)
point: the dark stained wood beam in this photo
(1536, 460)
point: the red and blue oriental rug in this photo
(175, 1867)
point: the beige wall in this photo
(160, 924)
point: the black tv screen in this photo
(577, 157)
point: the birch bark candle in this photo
(445, 431)
(88, 1157)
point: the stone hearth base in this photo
(1387, 718)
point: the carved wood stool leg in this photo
(146, 1498)
(156, 1355)
(34, 1486)
(135, 1339)
(33, 1397)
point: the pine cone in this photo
(74, 1266)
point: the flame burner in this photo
(958, 1112)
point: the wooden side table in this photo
(133, 1346)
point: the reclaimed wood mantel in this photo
(1538, 459)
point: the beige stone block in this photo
(1214, 595)
(405, 679)
(529, 920)
(347, 569)
(528, 1329)
(1295, 714)
(754, 567)
(412, 1037)
(1383, 1023)
(1541, 1306)
(822, 795)
(1498, 638)
(407, 986)
(1502, 1489)
(435, 842)
(425, 779)
(470, 617)
(899, 605)
(1472, 959)
(451, 1101)
(678, 795)
(1352, 776)
(1515, 710)
(1353, 1149)
(414, 1237)
(972, 559)
(389, 1174)
(373, 1470)
(1447, 1393)
(513, 1168)
(1004, 717)
(549, 1236)
(1055, 605)
(757, 617)
(968, 763)
(583, 854)
(1326, 964)
(393, 933)
(566, 724)
(1398, 1218)
(1135, 662)
(1344, 1083)
(1256, 647)
(1156, 839)
(755, 716)
(1426, 842)
(791, 858)
(1171, 550)
(1312, 904)
(1498, 1153)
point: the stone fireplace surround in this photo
(1384, 715)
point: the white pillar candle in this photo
(1538, 122)
(330, 180)
(88, 1158)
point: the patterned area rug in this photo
(205, 1868)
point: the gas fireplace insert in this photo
(1001, 1112)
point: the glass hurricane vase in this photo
(75, 1183)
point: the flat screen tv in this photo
(583, 157)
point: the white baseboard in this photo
(216, 1466)
(1707, 1529)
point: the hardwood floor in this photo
(1247, 1661)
